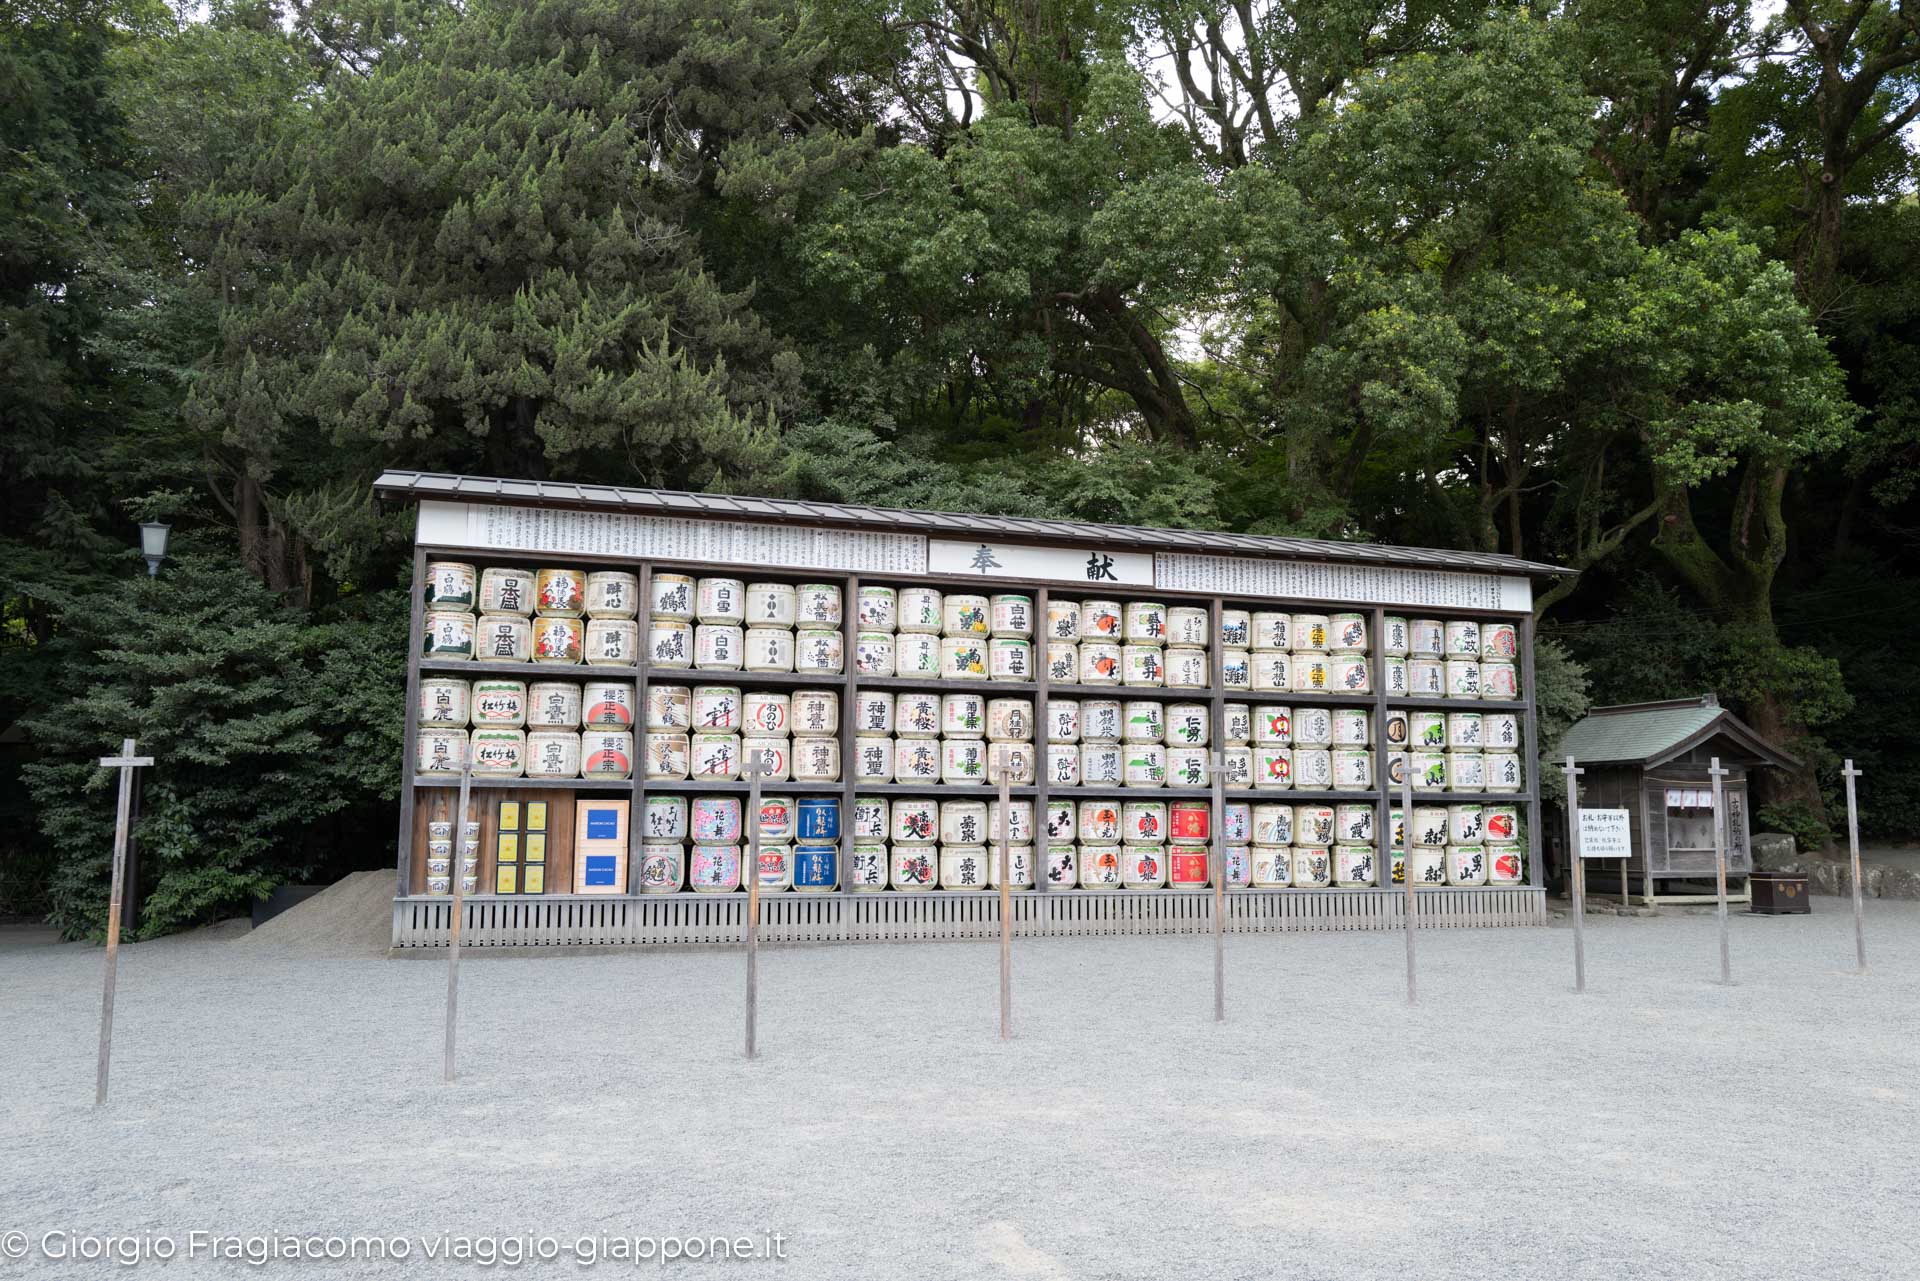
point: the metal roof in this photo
(1654, 733)
(532, 493)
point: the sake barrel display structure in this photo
(888, 664)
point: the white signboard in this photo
(1014, 560)
(1605, 834)
(1350, 584)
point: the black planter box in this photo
(1780, 894)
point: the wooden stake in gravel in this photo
(1406, 871)
(459, 909)
(1578, 872)
(1217, 762)
(126, 763)
(1715, 772)
(1006, 906)
(1853, 850)
(756, 767)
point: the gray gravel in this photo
(1660, 1126)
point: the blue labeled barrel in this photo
(819, 818)
(815, 867)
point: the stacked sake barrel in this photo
(709, 732)
(1461, 844)
(1457, 751)
(1271, 652)
(1145, 743)
(798, 844)
(1312, 748)
(958, 739)
(729, 624)
(509, 726)
(922, 633)
(1136, 643)
(1458, 658)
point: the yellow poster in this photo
(509, 847)
(536, 816)
(509, 816)
(536, 879)
(536, 847)
(503, 880)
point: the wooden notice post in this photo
(1853, 852)
(1006, 904)
(126, 763)
(1217, 762)
(756, 768)
(1720, 865)
(458, 879)
(1406, 870)
(1578, 872)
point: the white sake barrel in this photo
(1016, 758)
(559, 592)
(1397, 638)
(1396, 728)
(668, 755)
(776, 868)
(921, 610)
(1143, 822)
(445, 703)
(1311, 632)
(1063, 764)
(1011, 615)
(1187, 867)
(717, 707)
(1426, 678)
(613, 593)
(1146, 622)
(719, 647)
(1462, 638)
(1312, 727)
(1236, 823)
(916, 714)
(663, 867)
(669, 707)
(1186, 724)
(873, 712)
(818, 651)
(504, 638)
(769, 649)
(1271, 671)
(1022, 831)
(1271, 630)
(963, 715)
(1101, 764)
(1312, 673)
(606, 753)
(1236, 669)
(1397, 863)
(1499, 681)
(1100, 865)
(558, 640)
(1312, 768)
(1502, 731)
(614, 642)
(876, 608)
(964, 867)
(1099, 663)
(1062, 865)
(873, 653)
(816, 605)
(1466, 772)
(716, 756)
(869, 822)
(1429, 771)
(1187, 668)
(963, 658)
(913, 867)
(449, 636)
(670, 597)
(964, 615)
(1353, 824)
(1101, 620)
(1466, 731)
(1144, 765)
(669, 643)
(1466, 825)
(1009, 659)
(499, 704)
(1272, 767)
(1352, 769)
(771, 605)
(1188, 626)
(767, 711)
(816, 760)
(1061, 824)
(872, 759)
(666, 819)
(1429, 865)
(1188, 766)
(1143, 867)
(1101, 720)
(1190, 822)
(916, 654)
(1236, 629)
(1504, 864)
(1502, 823)
(916, 760)
(1499, 639)
(1504, 773)
(816, 712)
(1272, 824)
(1351, 727)
(1100, 821)
(715, 869)
(1463, 677)
(449, 585)
(607, 704)
(1063, 662)
(1396, 677)
(1237, 728)
(1063, 620)
(1466, 865)
(1428, 730)
(1063, 720)
(1426, 638)
(717, 820)
(913, 820)
(1010, 720)
(1347, 633)
(963, 822)
(1350, 673)
(867, 867)
(1430, 825)
(1236, 765)
(1146, 722)
(1353, 866)
(439, 751)
(504, 590)
(1312, 867)
(1143, 665)
(1397, 765)
(1272, 866)
(963, 761)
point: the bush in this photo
(1809, 831)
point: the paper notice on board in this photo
(1605, 834)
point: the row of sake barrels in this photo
(960, 658)
(516, 753)
(1495, 680)
(735, 602)
(1455, 731)
(504, 703)
(455, 586)
(561, 641)
(723, 647)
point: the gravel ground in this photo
(1659, 1126)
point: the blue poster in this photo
(603, 824)
(600, 869)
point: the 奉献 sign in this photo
(1605, 834)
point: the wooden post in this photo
(1715, 772)
(126, 762)
(755, 768)
(458, 878)
(1578, 874)
(1406, 860)
(1853, 850)
(1217, 762)
(1006, 905)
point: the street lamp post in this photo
(153, 544)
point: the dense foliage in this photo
(1620, 284)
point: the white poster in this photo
(1014, 560)
(1346, 584)
(1605, 834)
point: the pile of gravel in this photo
(351, 917)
